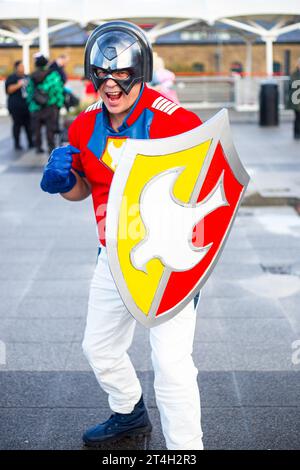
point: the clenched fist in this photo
(57, 177)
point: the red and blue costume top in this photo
(152, 116)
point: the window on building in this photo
(198, 67)
(236, 67)
(276, 68)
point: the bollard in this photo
(268, 104)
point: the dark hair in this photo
(41, 61)
(17, 63)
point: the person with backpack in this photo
(45, 97)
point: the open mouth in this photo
(114, 96)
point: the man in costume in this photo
(118, 60)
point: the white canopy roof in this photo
(92, 10)
(167, 15)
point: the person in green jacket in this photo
(295, 98)
(45, 97)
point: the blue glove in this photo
(57, 177)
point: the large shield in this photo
(171, 206)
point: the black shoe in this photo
(39, 150)
(120, 425)
(18, 147)
(297, 136)
(30, 145)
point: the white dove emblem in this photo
(115, 154)
(169, 223)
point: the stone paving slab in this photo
(248, 324)
(248, 307)
(239, 410)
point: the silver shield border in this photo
(218, 129)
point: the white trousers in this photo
(108, 335)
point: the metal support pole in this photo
(248, 58)
(25, 55)
(43, 29)
(269, 54)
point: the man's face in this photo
(114, 98)
(20, 69)
(64, 60)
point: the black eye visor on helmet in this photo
(125, 83)
(116, 46)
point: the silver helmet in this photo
(115, 46)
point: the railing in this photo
(205, 92)
(241, 93)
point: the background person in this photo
(15, 87)
(59, 65)
(163, 79)
(90, 94)
(45, 98)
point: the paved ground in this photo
(247, 344)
